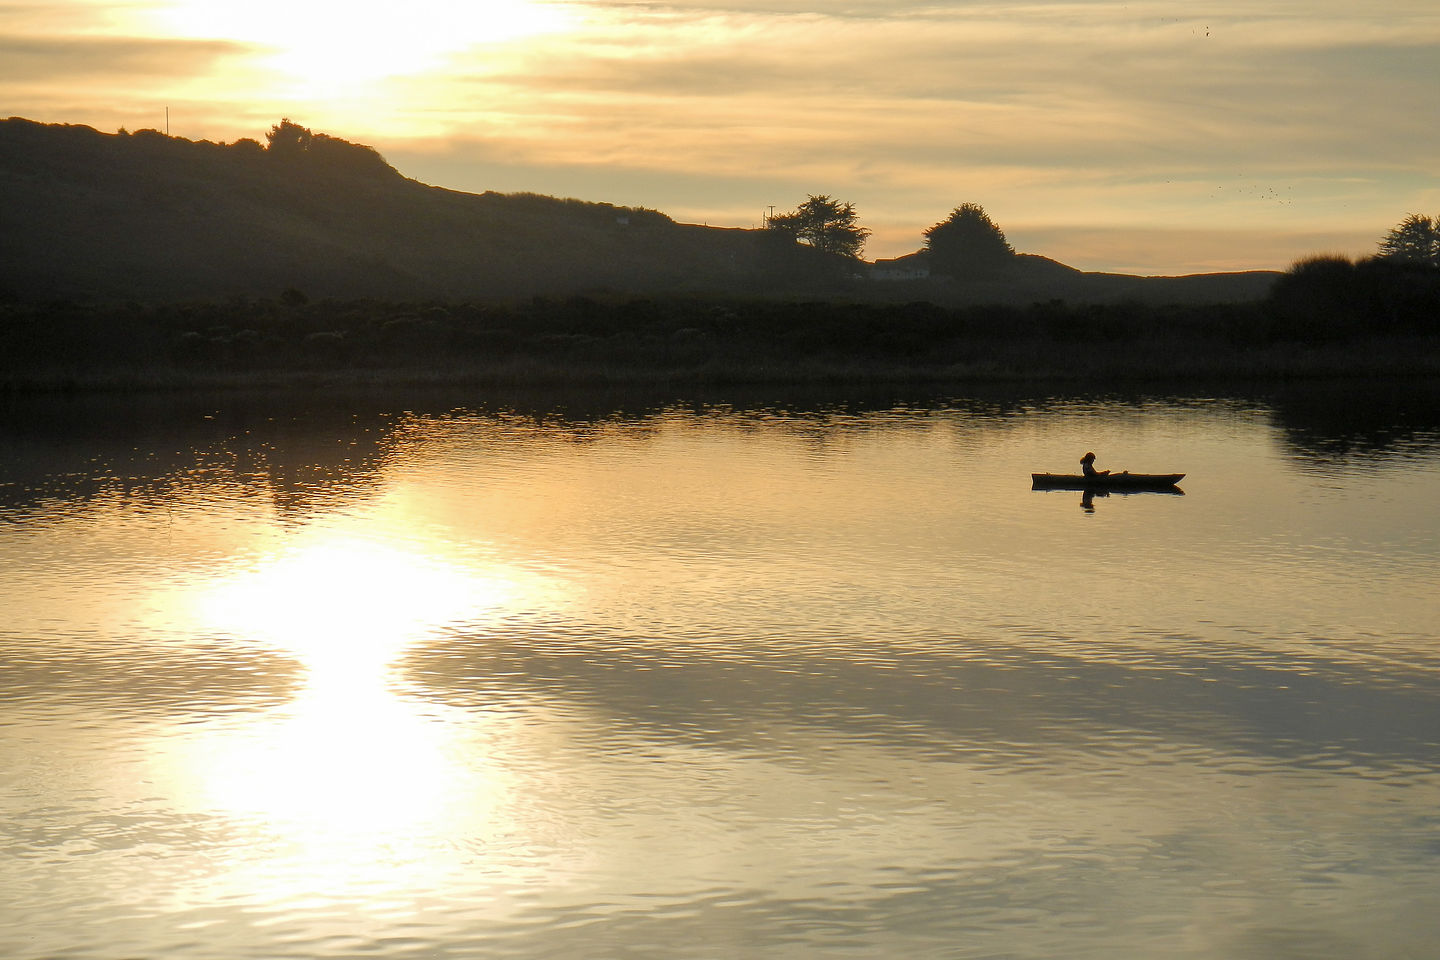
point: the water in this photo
(444, 676)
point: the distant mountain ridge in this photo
(87, 215)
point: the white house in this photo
(912, 266)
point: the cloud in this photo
(1301, 116)
(46, 59)
(1032, 90)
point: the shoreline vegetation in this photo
(582, 341)
(142, 261)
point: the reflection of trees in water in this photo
(154, 448)
(310, 450)
(1359, 421)
(307, 450)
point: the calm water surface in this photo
(400, 678)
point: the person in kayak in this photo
(1087, 466)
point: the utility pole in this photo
(167, 120)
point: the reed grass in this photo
(249, 344)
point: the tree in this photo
(288, 139)
(967, 243)
(296, 144)
(1416, 239)
(825, 224)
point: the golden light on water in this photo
(351, 772)
(694, 685)
(329, 769)
(345, 607)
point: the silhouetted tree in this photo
(967, 243)
(292, 142)
(825, 224)
(288, 139)
(1416, 239)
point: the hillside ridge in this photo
(86, 215)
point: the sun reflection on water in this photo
(351, 782)
(345, 607)
(333, 767)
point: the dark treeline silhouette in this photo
(709, 339)
(138, 256)
(1414, 240)
(1333, 298)
(1336, 298)
(144, 216)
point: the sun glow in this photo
(348, 784)
(350, 755)
(319, 49)
(346, 607)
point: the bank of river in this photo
(256, 344)
(1018, 363)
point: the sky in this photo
(1161, 137)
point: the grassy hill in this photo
(92, 216)
(1036, 279)
(101, 216)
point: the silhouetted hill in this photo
(92, 216)
(145, 216)
(1196, 288)
(1030, 278)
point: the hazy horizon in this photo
(1143, 139)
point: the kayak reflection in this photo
(1087, 498)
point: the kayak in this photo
(1105, 481)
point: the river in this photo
(444, 675)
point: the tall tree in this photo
(288, 139)
(967, 243)
(825, 224)
(1416, 239)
